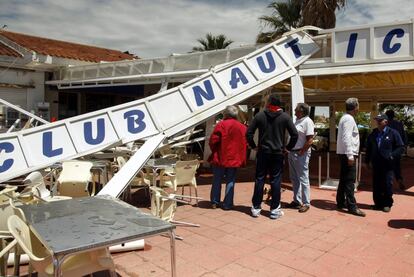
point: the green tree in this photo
(403, 113)
(321, 13)
(285, 15)
(211, 42)
(296, 13)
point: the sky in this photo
(158, 28)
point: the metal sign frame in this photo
(169, 112)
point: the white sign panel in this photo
(352, 45)
(136, 120)
(168, 112)
(393, 41)
(371, 43)
(92, 132)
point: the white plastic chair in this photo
(74, 179)
(164, 206)
(183, 175)
(41, 259)
(7, 241)
(36, 184)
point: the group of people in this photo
(278, 135)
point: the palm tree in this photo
(285, 15)
(321, 13)
(211, 42)
(297, 13)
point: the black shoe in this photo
(293, 205)
(376, 208)
(357, 212)
(401, 184)
(227, 208)
(386, 209)
(340, 207)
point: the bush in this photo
(410, 138)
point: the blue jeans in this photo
(219, 173)
(271, 164)
(299, 176)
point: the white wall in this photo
(36, 81)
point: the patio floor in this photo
(321, 242)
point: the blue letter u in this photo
(270, 60)
(87, 130)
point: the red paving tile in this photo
(321, 242)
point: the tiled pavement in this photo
(321, 242)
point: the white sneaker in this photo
(276, 213)
(255, 212)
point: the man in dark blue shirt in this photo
(384, 146)
(399, 127)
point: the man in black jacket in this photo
(384, 146)
(399, 127)
(272, 124)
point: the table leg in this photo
(154, 176)
(57, 266)
(172, 252)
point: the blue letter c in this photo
(8, 148)
(386, 45)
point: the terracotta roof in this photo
(7, 51)
(63, 49)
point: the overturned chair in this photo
(182, 175)
(164, 206)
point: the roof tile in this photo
(8, 51)
(63, 49)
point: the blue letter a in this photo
(236, 76)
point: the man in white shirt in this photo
(299, 159)
(347, 148)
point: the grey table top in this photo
(79, 224)
(161, 163)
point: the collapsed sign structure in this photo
(159, 116)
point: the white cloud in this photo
(360, 12)
(152, 28)
(147, 28)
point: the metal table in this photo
(159, 164)
(81, 224)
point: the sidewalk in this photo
(321, 242)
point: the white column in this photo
(164, 85)
(298, 94)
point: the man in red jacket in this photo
(228, 146)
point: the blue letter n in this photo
(200, 93)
